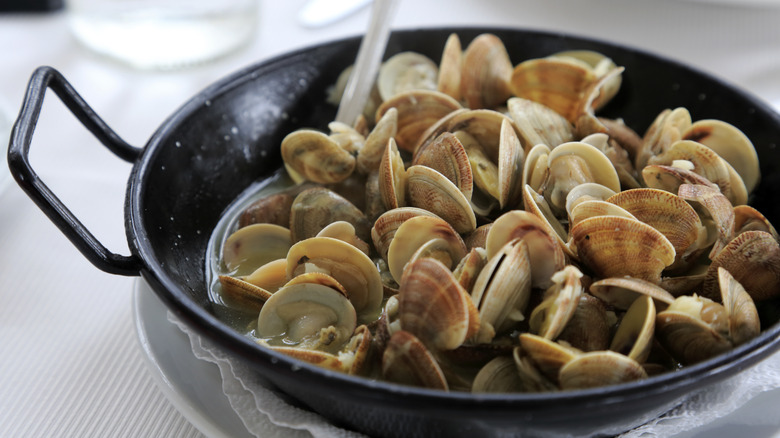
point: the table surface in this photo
(70, 364)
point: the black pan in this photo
(196, 163)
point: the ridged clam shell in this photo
(433, 306)
(447, 155)
(485, 74)
(615, 246)
(407, 361)
(599, 368)
(429, 189)
(418, 110)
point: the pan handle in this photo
(28, 180)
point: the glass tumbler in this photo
(163, 34)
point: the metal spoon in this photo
(367, 63)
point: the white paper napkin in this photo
(266, 413)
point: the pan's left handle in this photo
(18, 161)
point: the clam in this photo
(589, 328)
(615, 246)
(621, 292)
(719, 209)
(415, 232)
(667, 213)
(747, 218)
(350, 359)
(535, 169)
(386, 225)
(548, 356)
(485, 73)
(314, 156)
(499, 375)
(634, 335)
(407, 361)
(315, 208)
(450, 67)
(271, 209)
(417, 110)
(434, 307)
(469, 267)
(753, 258)
(447, 155)
(241, 294)
(558, 83)
(373, 150)
(601, 66)
(538, 205)
(667, 128)
(586, 192)
(429, 189)
(406, 71)
(693, 329)
(311, 314)
(252, 246)
(731, 144)
(545, 254)
(347, 264)
(392, 177)
(539, 124)
(708, 164)
(502, 290)
(345, 231)
(599, 368)
(550, 317)
(572, 164)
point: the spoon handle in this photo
(367, 63)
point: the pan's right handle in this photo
(47, 201)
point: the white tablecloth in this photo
(69, 361)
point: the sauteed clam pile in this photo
(480, 228)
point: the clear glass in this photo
(163, 34)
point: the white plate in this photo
(204, 404)
(193, 386)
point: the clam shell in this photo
(240, 294)
(731, 144)
(588, 329)
(392, 177)
(406, 71)
(485, 73)
(429, 189)
(316, 157)
(498, 376)
(539, 124)
(510, 167)
(347, 264)
(744, 323)
(664, 211)
(550, 317)
(548, 356)
(414, 233)
(407, 361)
(667, 128)
(558, 83)
(418, 110)
(502, 290)
(299, 312)
(450, 67)
(315, 208)
(684, 333)
(432, 305)
(387, 224)
(621, 292)
(545, 255)
(599, 368)
(370, 155)
(252, 246)
(615, 246)
(753, 258)
(447, 155)
(719, 209)
(634, 336)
